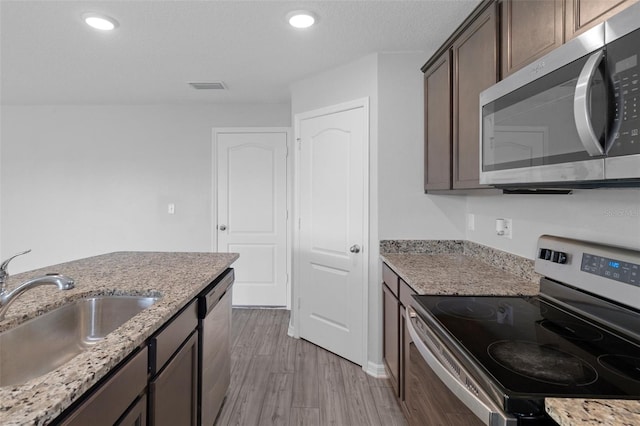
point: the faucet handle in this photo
(3, 267)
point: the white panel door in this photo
(252, 213)
(332, 229)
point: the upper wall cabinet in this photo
(530, 29)
(453, 81)
(437, 128)
(584, 14)
(471, 60)
(475, 68)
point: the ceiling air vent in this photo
(208, 85)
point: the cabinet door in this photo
(584, 14)
(475, 68)
(137, 415)
(437, 124)
(530, 29)
(173, 393)
(391, 337)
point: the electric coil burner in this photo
(580, 337)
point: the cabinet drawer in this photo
(169, 339)
(405, 293)
(112, 398)
(390, 279)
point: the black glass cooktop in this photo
(532, 348)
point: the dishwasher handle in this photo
(210, 297)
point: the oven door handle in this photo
(490, 414)
(581, 109)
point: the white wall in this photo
(84, 180)
(606, 215)
(405, 212)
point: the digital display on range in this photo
(625, 272)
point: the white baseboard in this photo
(291, 331)
(375, 370)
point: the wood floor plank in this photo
(284, 358)
(388, 409)
(334, 409)
(248, 405)
(362, 406)
(305, 376)
(304, 416)
(279, 380)
(276, 407)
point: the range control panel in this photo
(614, 269)
(611, 272)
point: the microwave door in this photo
(530, 135)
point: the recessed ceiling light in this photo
(301, 19)
(100, 22)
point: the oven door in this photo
(439, 389)
(549, 123)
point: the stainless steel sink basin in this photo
(45, 343)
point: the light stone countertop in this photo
(457, 274)
(460, 274)
(586, 412)
(176, 277)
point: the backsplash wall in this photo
(610, 216)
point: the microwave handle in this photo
(581, 110)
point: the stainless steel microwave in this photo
(571, 118)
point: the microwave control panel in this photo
(624, 60)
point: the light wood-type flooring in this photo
(279, 380)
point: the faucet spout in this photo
(8, 297)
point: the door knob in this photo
(355, 248)
(222, 227)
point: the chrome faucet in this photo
(7, 297)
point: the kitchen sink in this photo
(44, 343)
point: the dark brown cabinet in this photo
(112, 398)
(173, 393)
(437, 127)
(137, 415)
(173, 389)
(391, 327)
(452, 84)
(475, 68)
(396, 296)
(529, 30)
(584, 14)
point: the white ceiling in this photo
(49, 56)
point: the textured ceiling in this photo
(48, 55)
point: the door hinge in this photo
(299, 303)
(286, 151)
(299, 223)
(299, 144)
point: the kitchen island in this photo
(176, 278)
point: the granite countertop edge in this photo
(416, 268)
(176, 277)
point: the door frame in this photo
(294, 323)
(289, 190)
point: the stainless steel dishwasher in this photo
(214, 360)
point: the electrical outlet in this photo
(471, 222)
(504, 227)
(171, 208)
